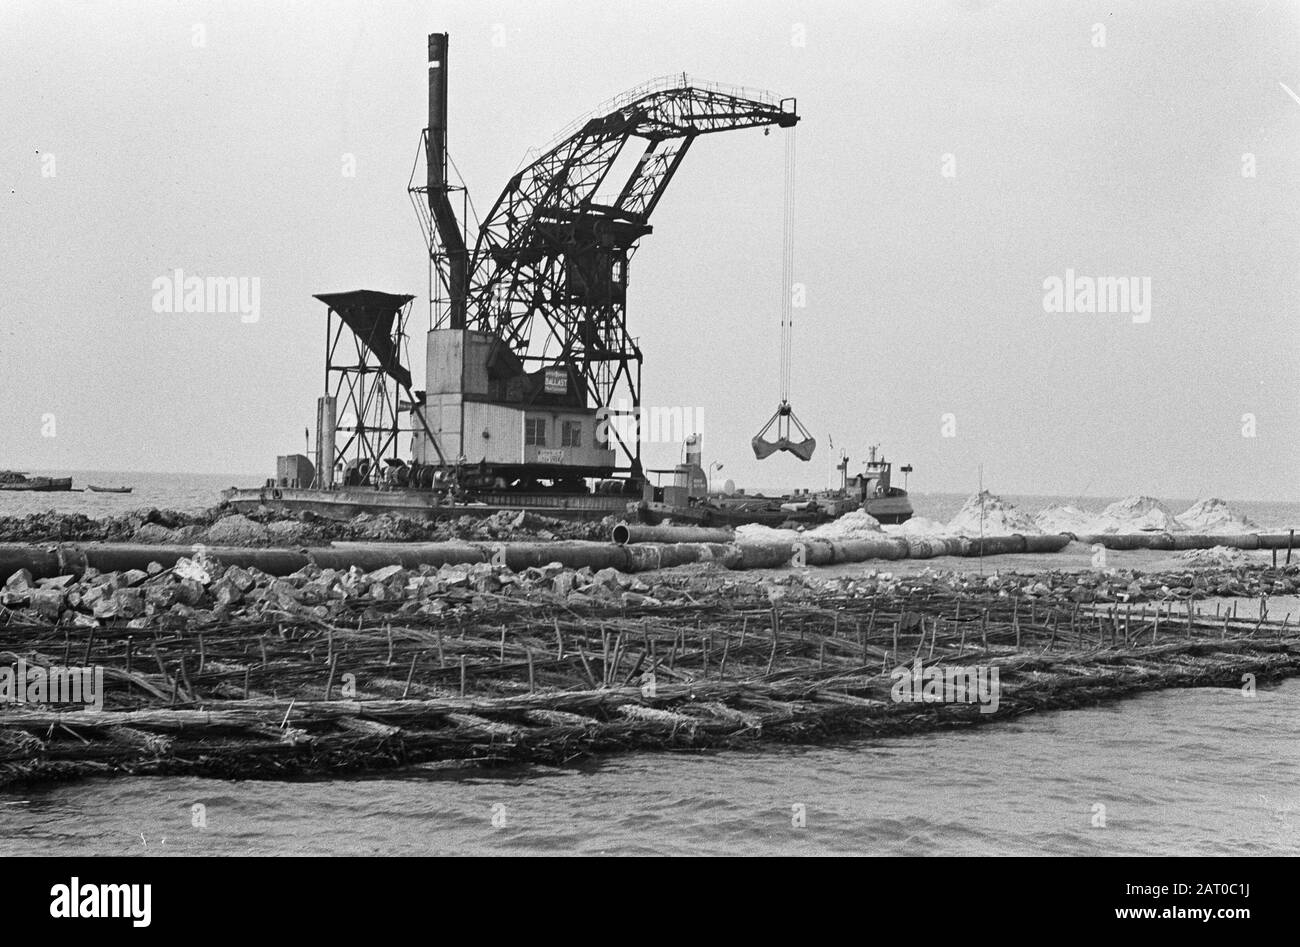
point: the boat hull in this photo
(891, 509)
(40, 485)
(344, 504)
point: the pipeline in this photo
(70, 559)
(625, 533)
(1182, 541)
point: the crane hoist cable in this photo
(784, 418)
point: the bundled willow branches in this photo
(538, 679)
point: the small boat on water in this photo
(13, 480)
(97, 489)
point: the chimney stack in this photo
(444, 217)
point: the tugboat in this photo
(13, 480)
(873, 489)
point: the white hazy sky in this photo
(924, 291)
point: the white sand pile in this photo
(1214, 556)
(917, 526)
(1214, 516)
(856, 524)
(1000, 518)
(1139, 515)
(757, 533)
(1067, 519)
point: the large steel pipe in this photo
(625, 533)
(44, 561)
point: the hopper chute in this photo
(360, 368)
(370, 315)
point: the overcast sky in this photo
(129, 148)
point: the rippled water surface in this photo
(1193, 772)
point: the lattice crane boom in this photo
(548, 274)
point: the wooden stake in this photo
(185, 674)
(162, 668)
(587, 667)
(617, 658)
(411, 674)
(776, 629)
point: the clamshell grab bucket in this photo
(784, 419)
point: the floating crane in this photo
(543, 292)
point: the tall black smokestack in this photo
(449, 233)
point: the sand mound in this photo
(917, 526)
(1213, 515)
(1139, 514)
(757, 533)
(856, 524)
(1000, 518)
(1063, 518)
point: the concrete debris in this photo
(206, 591)
(222, 526)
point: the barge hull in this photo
(347, 503)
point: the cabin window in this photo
(571, 434)
(535, 432)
